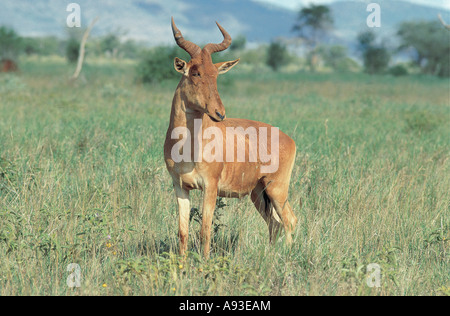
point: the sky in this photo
(294, 4)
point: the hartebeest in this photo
(197, 103)
(8, 65)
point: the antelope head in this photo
(199, 81)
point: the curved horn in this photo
(191, 48)
(215, 48)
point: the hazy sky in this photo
(296, 3)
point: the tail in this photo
(268, 208)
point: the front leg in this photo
(209, 205)
(183, 214)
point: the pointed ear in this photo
(180, 65)
(226, 66)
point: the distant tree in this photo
(71, 45)
(376, 57)
(130, 49)
(431, 44)
(277, 55)
(157, 64)
(10, 43)
(447, 26)
(238, 43)
(398, 70)
(376, 60)
(82, 51)
(30, 45)
(335, 57)
(366, 40)
(72, 50)
(50, 45)
(43, 46)
(110, 45)
(313, 23)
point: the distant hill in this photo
(350, 17)
(149, 20)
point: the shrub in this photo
(10, 43)
(422, 121)
(239, 43)
(336, 57)
(157, 64)
(277, 56)
(11, 84)
(398, 71)
(72, 50)
(431, 44)
(376, 56)
(376, 60)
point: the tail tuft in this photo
(268, 209)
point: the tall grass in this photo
(82, 180)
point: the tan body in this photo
(196, 98)
(8, 65)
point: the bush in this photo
(72, 50)
(10, 83)
(157, 64)
(10, 43)
(43, 46)
(336, 57)
(398, 71)
(110, 45)
(131, 49)
(239, 43)
(376, 56)
(431, 44)
(422, 121)
(277, 56)
(376, 60)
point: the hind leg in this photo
(277, 193)
(284, 210)
(266, 209)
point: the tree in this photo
(72, 50)
(336, 57)
(398, 70)
(130, 49)
(277, 55)
(447, 26)
(313, 23)
(376, 60)
(238, 43)
(82, 50)
(366, 40)
(430, 43)
(376, 56)
(10, 43)
(72, 44)
(155, 65)
(110, 45)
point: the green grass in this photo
(83, 180)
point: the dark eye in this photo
(196, 74)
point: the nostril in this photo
(220, 115)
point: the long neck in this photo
(178, 113)
(182, 116)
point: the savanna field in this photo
(83, 180)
